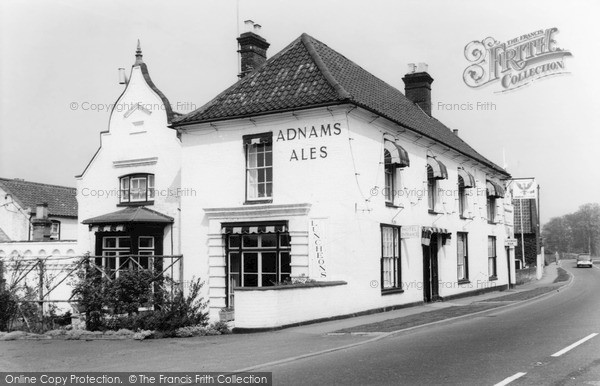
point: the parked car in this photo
(584, 260)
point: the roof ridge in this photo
(333, 82)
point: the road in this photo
(523, 345)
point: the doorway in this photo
(431, 291)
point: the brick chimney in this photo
(253, 48)
(417, 86)
(41, 225)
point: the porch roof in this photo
(137, 214)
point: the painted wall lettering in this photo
(317, 241)
(309, 132)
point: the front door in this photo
(430, 270)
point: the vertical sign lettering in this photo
(317, 252)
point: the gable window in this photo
(492, 257)
(55, 230)
(462, 256)
(136, 188)
(259, 167)
(390, 258)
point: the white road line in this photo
(569, 348)
(510, 379)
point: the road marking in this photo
(569, 348)
(510, 379)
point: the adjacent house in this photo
(38, 232)
(129, 193)
(18, 204)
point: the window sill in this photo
(431, 211)
(493, 278)
(391, 205)
(464, 281)
(391, 291)
(257, 202)
(136, 203)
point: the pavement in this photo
(245, 352)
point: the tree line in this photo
(577, 232)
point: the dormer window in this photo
(136, 188)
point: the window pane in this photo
(269, 240)
(269, 262)
(269, 280)
(234, 241)
(261, 190)
(150, 186)
(250, 262)
(252, 160)
(268, 158)
(250, 280)
(261, 175)
(269, 190)
(234, 262)
(250, 241)
(146, 242)
(260, 159)
(285, 263)
(124, 242)
(110, 242)
(269, 177)
(284, 240)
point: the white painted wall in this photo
(14, 220)
(137, 141)
(337, 188)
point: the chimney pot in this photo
(411, 68)
(249, 25)
(122, 76)
(455, 131)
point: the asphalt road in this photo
(521, 345)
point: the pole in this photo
(41, 292)
(522, 233)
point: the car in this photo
(584, 260)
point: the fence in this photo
(43, 285)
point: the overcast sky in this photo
(57, 53)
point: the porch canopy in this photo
(494, 189)
(118, 221)
(468, 181)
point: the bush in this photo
(8, 309)
(113, 305)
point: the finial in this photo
(138, 53)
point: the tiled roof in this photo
(137, 214)
(307, 74)
(62, 200)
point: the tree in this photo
(577, 232)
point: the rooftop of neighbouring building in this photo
(62, 200)
(307, 74)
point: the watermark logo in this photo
(516, 62)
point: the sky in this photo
(59, 61)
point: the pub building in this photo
(322, 191)
(313, 190)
